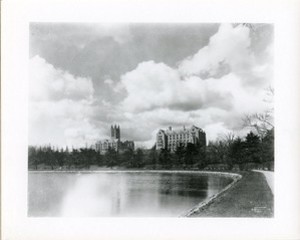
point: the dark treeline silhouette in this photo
(254, 151)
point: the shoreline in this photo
(250, 197)
(236, 177)
(224, 174)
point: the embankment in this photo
(249, 197)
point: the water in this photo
(118, 194)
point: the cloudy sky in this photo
(85, 77)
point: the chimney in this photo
(170, 128)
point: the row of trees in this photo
(235, 150)
(230, 151)
(184, 157)
(47, 156)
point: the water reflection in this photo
(184, 185)
(117, 194)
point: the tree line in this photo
(229, 151)
(49, 157)
(250, 152)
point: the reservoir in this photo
(119, 193)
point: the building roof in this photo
(181, 131)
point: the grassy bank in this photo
(250, 197)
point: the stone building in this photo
(114, 142)
(170, 139)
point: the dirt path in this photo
(269, 177)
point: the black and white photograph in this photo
(151, 120)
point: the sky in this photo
(84, 77)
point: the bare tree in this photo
(228, 138)
(261, 122)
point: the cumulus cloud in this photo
(60, 106)
(108, 81)
(228, 50)
(49, 83)
(155, 85)
(83, 132)
(213, 88)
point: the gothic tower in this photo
(115, 132)
(118, 133)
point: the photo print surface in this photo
(151, 120)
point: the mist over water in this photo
(118, 194)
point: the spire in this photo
(118, 135)
(111, 131)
